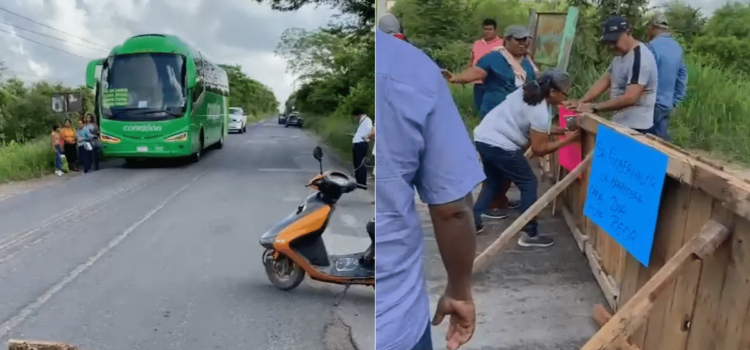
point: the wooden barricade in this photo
(695, 294)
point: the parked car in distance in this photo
(238, 120)
(282, 119)
(294, 119)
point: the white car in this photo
(237, 120)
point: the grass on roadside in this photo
(25, 161)
(333, 130)
(711, 118)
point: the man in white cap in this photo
(672, 77)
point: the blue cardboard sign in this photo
(624, 191)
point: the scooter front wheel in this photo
(283, 273)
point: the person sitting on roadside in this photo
(57, 146)
(631, 79)
(503, 136)
(83, 135)
(672, 73)
(70, 147)
(94, 130)
(503, 70)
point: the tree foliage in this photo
(335, 70)
(26, 109)
(254, 97)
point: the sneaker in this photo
(58, 173)
(496, 214)
(480, 228)
(539, 241)
(513, 204)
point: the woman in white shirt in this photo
(504, 134)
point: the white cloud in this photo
(229, 31)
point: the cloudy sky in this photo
(708, 6)
(230, 31)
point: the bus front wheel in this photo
(197, 155)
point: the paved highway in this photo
(168, 257)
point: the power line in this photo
(51, 47)
(55, 29)
(27, 73)
(49, 36)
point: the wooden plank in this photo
(677, 319)
(733, 192)
(601, 317)
(605, 283)
(670, 231)
(703, 326)
(568, 37)
(735, 296)
(533, 21)
(15, 344)
(635, 311)
(483, 259)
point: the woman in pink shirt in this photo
(489, 41)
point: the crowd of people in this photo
(425, 147)
(79, 145)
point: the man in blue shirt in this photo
(672, 82)
(422, 144)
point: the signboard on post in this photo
(58, 103)
(624, 191)
(67, 102)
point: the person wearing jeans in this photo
(505, 133)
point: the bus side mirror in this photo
(190, 75)
(91, 72)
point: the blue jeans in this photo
(425, 343)
(58, 154)
(661, 123)
(499, 165)
(84, 157)
(478, 96)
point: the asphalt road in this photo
(168, 257)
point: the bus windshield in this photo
(143, 87)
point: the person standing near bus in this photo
(361, 145)
(489, 41)
(57, 146)
(70, 147)
(83, 135)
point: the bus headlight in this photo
(108, 139)
(183, 136)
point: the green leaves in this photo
(254, 97)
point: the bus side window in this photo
(200, 86)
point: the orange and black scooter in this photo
(294, 247)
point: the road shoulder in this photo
(537, 299)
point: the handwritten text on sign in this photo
(624, 191)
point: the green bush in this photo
(21, 161)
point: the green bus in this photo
(158, 97)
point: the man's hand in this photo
(463, 320)
(585, 108)
(573, 134)
(447, 74)
(571, 104)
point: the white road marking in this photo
(7, 326)
(350, 221)
(290, 170)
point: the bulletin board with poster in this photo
(70, 102)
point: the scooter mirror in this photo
(318, 153)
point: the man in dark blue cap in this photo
(631, 78)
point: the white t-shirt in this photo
(365, 125)
(507, 125)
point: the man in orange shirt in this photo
(489, 41)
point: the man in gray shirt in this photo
(631, 78)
